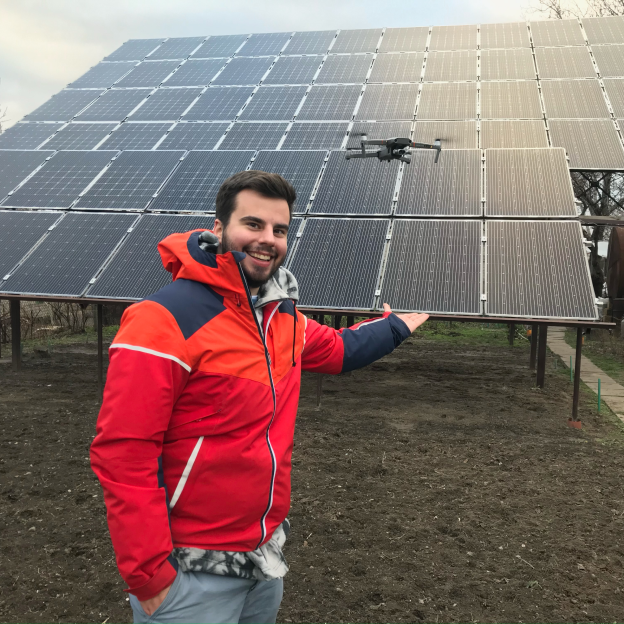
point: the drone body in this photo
(393, 149)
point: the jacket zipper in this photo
(268, 439)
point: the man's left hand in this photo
(411, 320)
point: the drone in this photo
(393, 149)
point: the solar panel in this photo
(450, 188)
(103, 75)
(194, 136)
(604, 29)
(313, 42)
(332, 276)
(136, 270)
(454, 134)
(148, 74)
(16, 166)
(135, 136)
(610, 59)
(511, 35)
(590, 144)
(565, 32)
(528, 183)
(134, 50)
(507, 65)
(537, 269)
(131, 181)
(615, 91)
(27, 135)
(433, 266)
(388, 101)
(243, 71)
(264, 44)
(166, 104)
(176, 48)
(345, 68)
(564, 63)
(70, 255)
(453, 38)
(512, 133)
(300, 168)
(294, 70)
(219, 104)
(79, 136)
(255, 136)
(452, 101)
(581, 99)
(360, 187)
(377, 130)
(353, 41)
(311, 136)
(333, 102)
(195, 183)
(195, 73)
(60, 181)
(114, 105)
(397, 68)
(63, 106)
(220, 46)
(510, 100)
(446, 66)
(19, 232)
(273, 103)
(291, 236)
(404, 39)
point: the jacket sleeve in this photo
(147, 372)
(331, 351)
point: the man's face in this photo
(258, 226)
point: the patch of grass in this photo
(61, 339)
(605, 350)
(472, 333)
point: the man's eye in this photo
(279, 232)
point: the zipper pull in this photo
(238, 301)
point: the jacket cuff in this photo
(163, 578)
(400, 331)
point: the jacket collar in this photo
(282, 285)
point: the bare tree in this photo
(565, 9)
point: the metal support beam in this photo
(350, 321)
(100, 354)
(534, 333)
(577, 374)
(337, 321)
(512, 333)
(541, 355)
(16, 334)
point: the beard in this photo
(254, 277)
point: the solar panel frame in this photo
(537, 269)
(610, 60)
(28, 136)
(301, 168)
(377, 130)
(330, 103)
(564, 63)
(451, 66)
(327, 268)
(312, 42)
(176, 48)
(310, 135)
(195, 73)
(194, 136)
(615, 92)
(357, 40)
(388, 102)
(293, 70)
(220, 46)
(135, 271)
(405, 39)
(448, 101)
(449, 188)
(133, 50)
(102, 75)
(114, 105)
(241, 71)
(59, 183)
(148, 74)
(291, 237)
(79, 136)
(16, 166)
(574, 99)
(515, 64)
(558, 32)
(510, 100)
(70, 256)
(434, 266)
(166, 104)
(345, 69)
(131, 180)
(63, 106)
(219, 104)
(508, 133)
(135, 136)
(531, 183)
(453, 38)
(506, 35)
(194, 185)
(604, 29)
(265, 44)
(454, 134)
(355, 187)
(271, 103)
(398, 67)
(253, 135)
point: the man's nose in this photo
(267, 237)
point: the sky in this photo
(46, 44)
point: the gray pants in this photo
(199, 598)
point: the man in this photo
(195, 434)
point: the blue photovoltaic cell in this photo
(15, 166)
(254, 136)
(63, 106)
(243, 71)
(404, 39)
(264, 44)
(293, 70)
(27, 135)
(166, 105)
(134, 50)
(388, 101)
(314, 135)
(135, 136)
(220, 46)
(79, 136)
(328, 103)
(345, 68)
(148, 74)
(194, 136)
(114, 105)
(176, 48)
(363, 40)
(312, 42)
(219, 104)
(195, 73)
(102, 75)
(273, 104)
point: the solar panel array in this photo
(138, 146)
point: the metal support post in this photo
(534, 332)
(512, 333)
(337, 321)
(541, 355)
(577, 374)
(100, 354)
(16, 334)
(350, 321)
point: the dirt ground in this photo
(436, 485)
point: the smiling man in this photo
(195, 434)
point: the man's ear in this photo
(218, 229)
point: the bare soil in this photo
(436, 485)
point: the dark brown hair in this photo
(266, 184)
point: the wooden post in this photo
(100, 354)
(534, 332)
(337, 321)
(16, 334)
(541, 355)
(350, 321)
(577, 374)
(512, 333)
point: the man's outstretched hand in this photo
(411, 320)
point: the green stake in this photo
(598, 395)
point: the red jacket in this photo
(195, 434)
